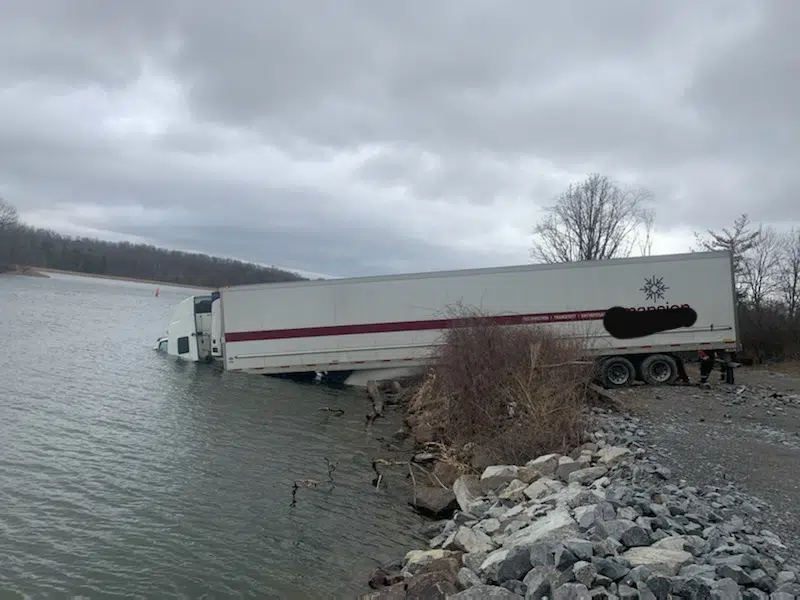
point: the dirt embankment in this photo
(747, 434)
(682, 490)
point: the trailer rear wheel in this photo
(659, 369)
(616, 372)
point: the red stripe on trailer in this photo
(401, 326)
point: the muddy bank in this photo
(45, 270)
(21, 270)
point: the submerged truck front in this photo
(189, 331)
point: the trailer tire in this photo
(659, 369)
(617, 372)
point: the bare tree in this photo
(739, 242)
(595, 219)
(9, 217)
(789, 274)
(648, 225)
(767, 266)
(760, 266)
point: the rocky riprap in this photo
(605, 522)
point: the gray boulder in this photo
(481, 592)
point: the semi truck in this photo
(359, 329)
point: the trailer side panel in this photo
(364, 323)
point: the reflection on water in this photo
(124, 472)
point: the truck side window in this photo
(183, 345)
(202, 305)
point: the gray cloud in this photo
(356, 137)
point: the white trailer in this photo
(387, 326)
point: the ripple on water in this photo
(125, 473)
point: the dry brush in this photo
(513, 392)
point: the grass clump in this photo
(508, 393)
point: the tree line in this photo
(599, 219)
(23, 245)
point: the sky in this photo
(372, 137)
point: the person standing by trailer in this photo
(707, 360)
(683, 377)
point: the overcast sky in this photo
(376, 136)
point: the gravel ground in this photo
(747, 434)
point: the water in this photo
(126, 473)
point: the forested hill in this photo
(21, 245)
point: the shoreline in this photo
(604, 518)
(25, 272)
(42, 272)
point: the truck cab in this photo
(189, 331)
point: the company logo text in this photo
(659, 307)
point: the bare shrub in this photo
(514, 391)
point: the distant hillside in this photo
(28, 246)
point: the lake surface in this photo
(128, 474)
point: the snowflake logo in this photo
(654, 288)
